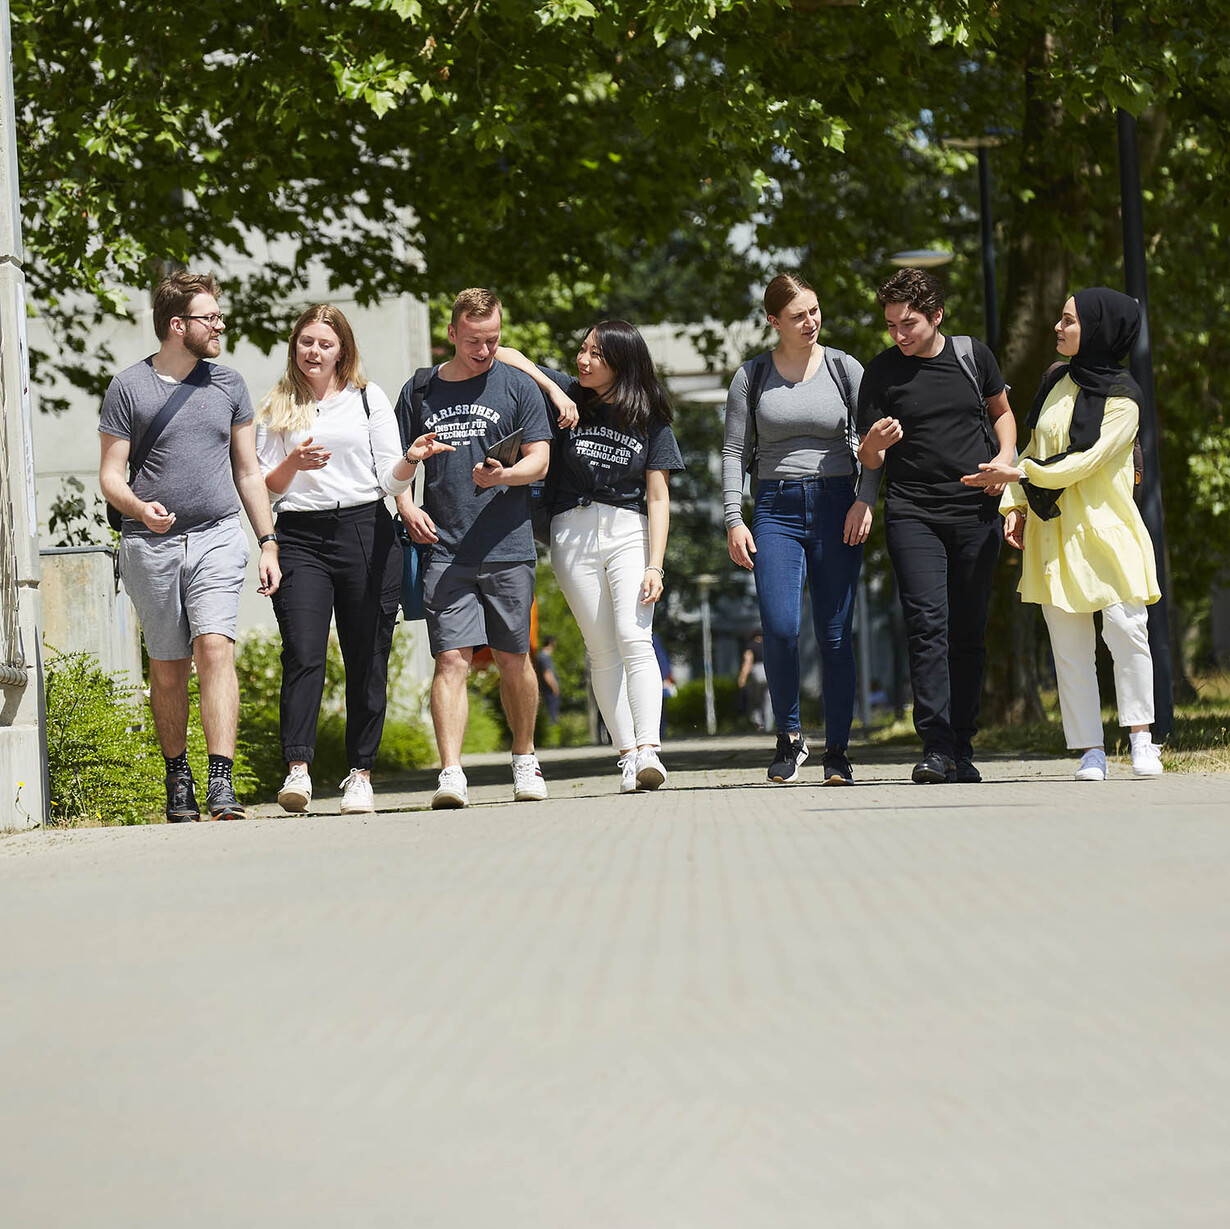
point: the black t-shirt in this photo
(946, 432)
(599, 461)
(472, 415)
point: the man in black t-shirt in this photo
(478, 583)
(930, 409)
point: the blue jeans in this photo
(798, 529)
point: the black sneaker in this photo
(965, 772)
(221, 800)
(837, 770)
(181, 799)
(932, 769)
(791, 753)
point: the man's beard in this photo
(202, 349)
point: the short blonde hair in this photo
(475, 301)
(290, 405)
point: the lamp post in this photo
(986, 227)
(1136, 282)
(706, 582)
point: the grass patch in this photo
(1200, 741)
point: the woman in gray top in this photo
(789, 421)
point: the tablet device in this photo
(504, 451)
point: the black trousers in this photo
(345, 563)
(944, 575)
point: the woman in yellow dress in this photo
(1068, 506)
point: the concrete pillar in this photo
(23, 756)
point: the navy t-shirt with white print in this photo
(600, 461)
(472, 415)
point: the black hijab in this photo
(1110, 323)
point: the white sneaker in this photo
(1146, 755)
(649, 771)
(296, 792)
(1093, 765)
(627, 773)
(451, 790)
(357, 796)
(528, 782)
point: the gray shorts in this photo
(468, 606)
(185, 585)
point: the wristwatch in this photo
(269, 537)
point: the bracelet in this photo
(269, 537)
(654, 568)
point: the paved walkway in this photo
(886, 1007)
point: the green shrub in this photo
(104, 762)
(572, 729)
(487, 729)
(685, 711)
(103, 765)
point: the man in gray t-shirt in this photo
(475, 523)
(183, 553)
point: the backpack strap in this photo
(963, 347)
(835, 361)
(408, 429)
(757, 377)
(170, 407)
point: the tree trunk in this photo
(1039, 267)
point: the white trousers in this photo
(1125, 629)
(599, 555)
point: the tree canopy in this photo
(651, 157)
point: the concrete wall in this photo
(85, 610)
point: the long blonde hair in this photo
(290, 405)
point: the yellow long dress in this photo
(1097, 551)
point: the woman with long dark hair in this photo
(789, 420)
(608, 488)
(330, 451)
(1069, 508)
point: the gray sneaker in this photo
(221, 800)
(181, 798)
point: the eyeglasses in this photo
(214, 319)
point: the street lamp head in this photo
(920, 258)
(988, 140)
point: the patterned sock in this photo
(177, 763)
(220, 768)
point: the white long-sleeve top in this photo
(364, 451)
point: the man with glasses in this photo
(183, 554)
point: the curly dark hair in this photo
(921, 290)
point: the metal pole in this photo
(990, 296)
(864, 656)
(706, 649)
(1137, 284)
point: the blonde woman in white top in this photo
(330, 452)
